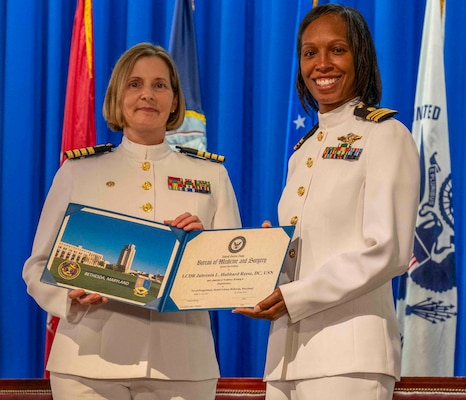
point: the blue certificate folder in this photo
(163, 268)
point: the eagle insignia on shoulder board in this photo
(373, 113)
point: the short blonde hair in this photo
(112, 110)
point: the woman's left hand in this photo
(186, 221)
(271, 308)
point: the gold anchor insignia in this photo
(350, 138)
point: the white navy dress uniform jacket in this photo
(118, 340)
(355, 222)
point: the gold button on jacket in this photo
(147, 185)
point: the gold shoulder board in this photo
(89, 151)
(372, 113)
(205, 155)
(305, 137)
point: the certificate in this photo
(163, 268)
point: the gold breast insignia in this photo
(350, 138)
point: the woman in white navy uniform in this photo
(106, 349)
(352, 192)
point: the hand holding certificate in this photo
(164, 268)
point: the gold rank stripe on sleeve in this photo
(201, 154)
(188, 185)
(375, 114)
(89, 151)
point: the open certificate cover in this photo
(163, 268)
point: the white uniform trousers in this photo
(66, 387)
(348, 387)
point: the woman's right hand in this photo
(271, 308)
(79, 296)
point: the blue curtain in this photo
(245, 59)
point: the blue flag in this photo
(299, 122)
(427, 296)
(183, 49)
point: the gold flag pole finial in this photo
(315, 3)
(442, 7)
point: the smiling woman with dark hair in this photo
(367, 84)
(352, 192)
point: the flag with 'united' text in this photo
(427, 293)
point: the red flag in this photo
(79, 118)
